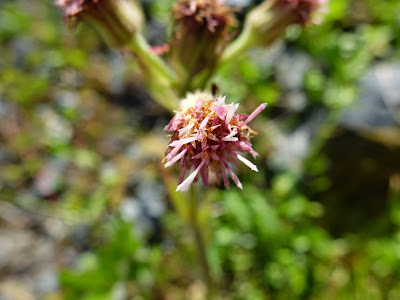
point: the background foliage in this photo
(81, 144)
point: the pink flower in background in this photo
(116, 20)
(301, 10)
(202, 29)
(268, 21)
(74, 7)
(207, 135)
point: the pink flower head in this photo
(116, 20)
(207, 135)
(302, 10)
(202, 29)
(268, 21)
(74, 7)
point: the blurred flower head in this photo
(300, 11)
(269, 20)
(116, 20)
(74, 7)
(200, 33)
(207, 136)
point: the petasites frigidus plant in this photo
(116, 20)
(208, 135)
(201, 31)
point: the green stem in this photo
(237, 47)
(151, 60)
(263, 25)
(159, 77)
(241, 43)
(163, 94)
(200, 243)
(256, 19)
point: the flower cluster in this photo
(116, 20)
(268, 21)
(301, 10)
(207, 135)
(201, 32)
(214, 14)
(73, 7)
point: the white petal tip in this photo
(247, 163)
(180, 189)
(184, 186)
(254, 168)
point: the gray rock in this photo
(291, 148)
(49, 177)
(291, 69)
(57, 129)
(379, 100)
(130, 209)
(46, 280)
(67, 99)
(239, 3)
(376, 114)
(151, 194)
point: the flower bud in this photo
(207, 135)
(270, 19)
(116, 20)
(200, 34)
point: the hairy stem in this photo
(159, 77)
(151, 60)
